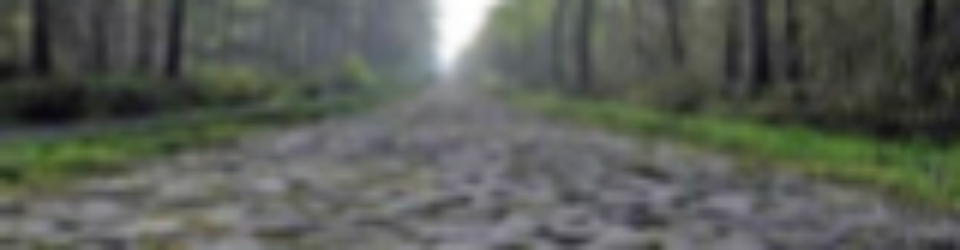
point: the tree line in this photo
(99, 37)
(77, 58)
(157, 37)
(881, 68)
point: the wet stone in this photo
(456, 169)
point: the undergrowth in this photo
(918, 172)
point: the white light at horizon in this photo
(458, 24)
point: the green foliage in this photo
(50, 161)
(516, 21)
(58, 101)
(32, 162)
(236, 82)
(858, 66)
(237, 54)
(678, 92)
(353, 75)
(909, 170)
(357, 72)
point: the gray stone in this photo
(454, 169)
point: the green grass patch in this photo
(43, 161)
(919, 173)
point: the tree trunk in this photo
(41, 50)
(641, 47)
(559, 41)
(583, 48)
(173, 54)
(758, 65)
(792, 61)
(925, 70)
(733, 48)
(99, 19)
(147, 38)
(674, 31)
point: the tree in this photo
(733, 48)
(173, 54)
(925, 70)
(758, 63)
(584, 45)
(671, 11)
(858, 65)
(559, 39)
(99, 17)
(791, 64)
(41, 50)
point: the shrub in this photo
(354, 75)
(40, 102)
(233, 82)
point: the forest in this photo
(881, 68)
(93, 82)
(863, 89)
(480, 124)
(107, 50)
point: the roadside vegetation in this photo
(39, 152)
(860, 91)
(44, 160)
(90, 87)
(918, 172)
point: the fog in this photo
(458, 23)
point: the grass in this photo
(918, 173)
(39, 162)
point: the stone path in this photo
(454, 170)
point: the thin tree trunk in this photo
(173, 54)
(759, 46)
(673, 20)
(99, 19)
(147, 44)
(41, 50)
(558, 41)
(583, 50)
(925, 71)
(793, 61)
(645, 53)
(733, 48)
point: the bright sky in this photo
(459, 22)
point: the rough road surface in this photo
(455, 170)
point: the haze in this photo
(458, 23)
